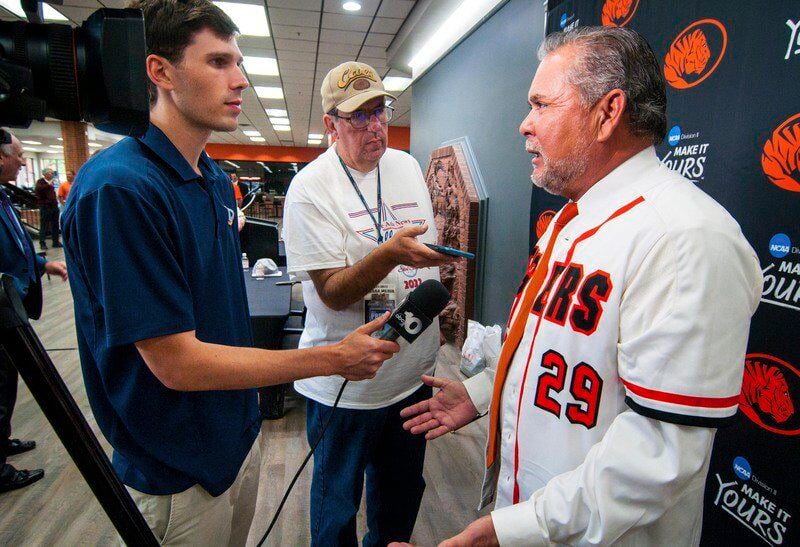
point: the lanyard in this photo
(377, 222)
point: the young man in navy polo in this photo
(160, 305)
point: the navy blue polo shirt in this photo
(153, 249)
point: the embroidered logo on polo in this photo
(695, 53)
(391, 223)
(780, 158)
(618, 13)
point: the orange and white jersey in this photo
(632, 355)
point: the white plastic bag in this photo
(481, 348)
(492, 343)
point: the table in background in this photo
(269, 309)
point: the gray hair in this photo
(47, 171)
(7, 149)
(616, 58)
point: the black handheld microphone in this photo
(416, 312)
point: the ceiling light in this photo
(351, 6)
(51, 14)
(277, 112)
(250, 18)
(279, 121)
(251, 133)
(396, 83)
(59, 138)
(281, 128)
(30, 142)
(15, 7)
(264, 66)
(315, 136)
(464, 18)
(314, 142)
(269, 92)
(265, 166)
(95, 145)
(258, 139)
(29, 149)
(234, 165)
(57, 146)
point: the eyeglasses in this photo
(360, 119)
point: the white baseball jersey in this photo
(632, 355)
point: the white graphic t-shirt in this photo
(326, 226)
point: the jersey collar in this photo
(628, 181)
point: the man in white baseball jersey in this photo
(626, 342)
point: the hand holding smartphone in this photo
(450, 251)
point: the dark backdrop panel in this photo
(735, 131)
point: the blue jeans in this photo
(359, 442)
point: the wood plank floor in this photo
(61, 510)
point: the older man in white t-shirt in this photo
(356, 220)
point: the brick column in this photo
(76, 144)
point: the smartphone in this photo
(450, 251)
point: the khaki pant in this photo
(194, 517)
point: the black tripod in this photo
(22, 348)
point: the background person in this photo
(237, 192)
(48, 209)
(64, 188)
(19, 260)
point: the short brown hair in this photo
(170, 26)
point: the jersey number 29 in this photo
(585, 386)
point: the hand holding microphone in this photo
(365, 349)
(416, 312)
(361, 355)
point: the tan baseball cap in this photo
(350, 85)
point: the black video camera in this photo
(93, 73)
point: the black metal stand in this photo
(22, 348)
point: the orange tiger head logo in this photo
(544, 221)
(691, 59)
(780, 158)
(765, 387)
(617, 13)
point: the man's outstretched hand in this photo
(478, 534)
(448, 410)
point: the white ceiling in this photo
(308, 38)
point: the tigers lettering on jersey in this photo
(577, 297)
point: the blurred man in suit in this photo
(19, 260)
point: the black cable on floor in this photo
(302, 466)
